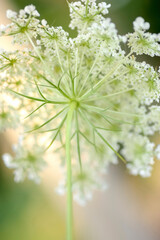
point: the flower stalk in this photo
(72, 107)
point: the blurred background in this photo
(129, 209)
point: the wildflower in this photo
(25, 162)
(9, 117)
(140, 24)
(10, 14)
(103, 7)
(31, 10)
(140, 154)
(44, 22)
(85, 95)
(142, 42)
(84, 184)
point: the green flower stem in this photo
(59, 59)
(69, 171)
(103, 80)
(35, 49)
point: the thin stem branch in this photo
(109, 95)
(78, 142)
(103, 80)
(90, 71)
(35, 48)
(59, 59)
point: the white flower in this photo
(38, 42)
(44, 22)
(85, 183)
(19, 175)
(79, 17)
(144, 43)
(89, 2)
(9, 117)
(123, 39)
(8, 160)
(25, 162)
(11, 14)
(140, 24)
(139, 152)
(31, 10)
(157, 152)
(22, 13)
(103, 7)
(2, 27)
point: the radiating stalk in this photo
(69, 235)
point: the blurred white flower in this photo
(140, 24)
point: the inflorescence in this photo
(115, 96)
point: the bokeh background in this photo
(129, 209)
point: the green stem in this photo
(69, 171)
(103, 80)
(35, 49)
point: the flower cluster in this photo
(27, 161)
(115, 97)
(143, 42)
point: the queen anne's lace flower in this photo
(139, 152)
(142, 42)
(9, 117)
(115, 96)
(85, 183)
(23, 23)
(26, 162)
(84, 16)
